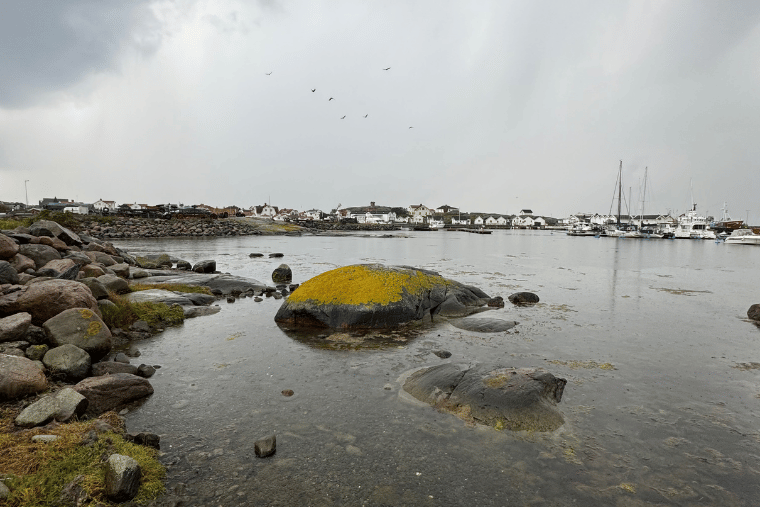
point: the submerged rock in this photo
(484, 325)
(754, 312)
(523, 298)
(505, 398)
(374, 296)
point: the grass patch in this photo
(126, 313)
(175, 287)
(37, 472)
(8, 224)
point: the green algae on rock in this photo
(373, 296)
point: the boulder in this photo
(754, 312)
(200, 311)
(7, 273)
(111, 367)
(8, 247)
(137, 273)
(70, 274)
(184, 265)
(78, 257)
(108, 392)
(60, 265)
(68, 361)
(80, 327)
(21, 263)
(40, 254)
(14, 327)
(122, 478)
(20, 377)
(217, 282)
(36, 352)
(93, 271)
(523, 298)
(374, 296)
(208, 266)
(61, 406)
(46, 299)
(505, 398)
(199, 299)
(282, 274)
(55, 243)
(121, 269)
(101, 258)
(54, 230)
(98, 290)
(115, 284)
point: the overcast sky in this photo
(513, 104)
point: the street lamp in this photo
(27, 193)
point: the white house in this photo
(77, 210)
(135, 206)
(491, 220)
(285, 214)
(101, 205)
(419, 213)
(265, 211)
(313, 214)
(446, 209)
(502, 221)
(478, 220)
(461, 220)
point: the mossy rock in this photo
(374, 296)
(504, 398)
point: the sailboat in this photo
(618, 230)
(693, 226)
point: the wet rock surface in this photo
(754, 312)
(523, 298)
(505, 398)
(483, 325)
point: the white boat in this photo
(693, 226)
(743, 237)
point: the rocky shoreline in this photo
(60, 362)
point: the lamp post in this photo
(27, 194)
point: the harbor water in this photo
(661, 405)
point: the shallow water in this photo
(673, 422)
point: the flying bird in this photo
(342, 117)
(269, 73)
(328, 100)
(366, 115)
(387, 68)
(313, 90)
(411, 127)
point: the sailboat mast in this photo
(644, 196)
(620, 190)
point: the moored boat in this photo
(743, 237)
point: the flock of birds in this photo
(332, 98)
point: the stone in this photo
(36, 352)
(497, 302)
(111, 367)
(78, 257)
(121, 270)
(70, 274)
(374, 296)
(108, 392)
(47, 272)
(184, 265)
(20, 377)
(199, 299)
(258, 299)
(484, 325)
(230, 299)
(46, 299)
(122, 478)
(282, 274)
(40, 254)
(101, 258)
(14, 327)
(115, 284)
(266, 446)
(21, 263)
(254, 255)
(207, 266)
(61, 406)
(443, 354)
(137, 273)
(92, 270)
(523, 298)
(68, 362)
(59, 265)
(146, 371)
(287, 393)
(522, 399)
(158, 296)
(8, 248)
(201, 311)
(4, 491)
(55, 230)
(98, 290)
(7, 273)
(81, 327)
(36, 335)
(45, 439)
(754, 312)
(146, 439)
(276, 255)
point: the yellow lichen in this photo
(85, 313)
(626, 486)
(94, 328)
(363, 285)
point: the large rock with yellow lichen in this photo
(505, 398)
(47, 299)
(374, 296)
(80, 327)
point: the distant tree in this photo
(400, 212)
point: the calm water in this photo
(674, 423)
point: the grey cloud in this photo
(50, 45)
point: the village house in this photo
(461, 219)
(419, 213)
(372, 214)
(312, 214)
(101, 205)
(285, 214)
(265, 211)
(446, 209)
(478, 220)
